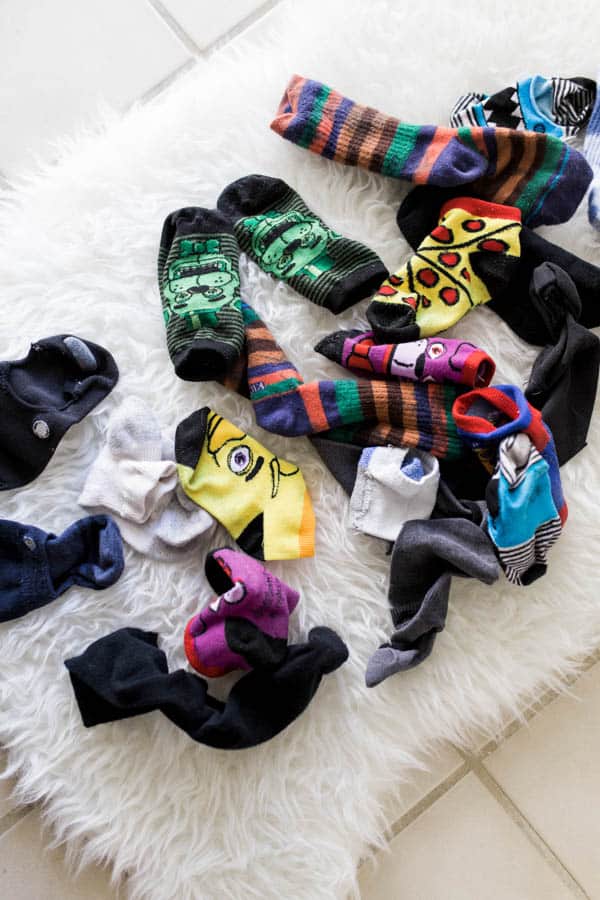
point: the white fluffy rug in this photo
(79, 241)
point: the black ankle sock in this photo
(60, 380)
(564, 377)
(285, 238)
(199, 284)
(125, 674)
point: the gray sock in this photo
(425, 556)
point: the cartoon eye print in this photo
(239, 459)
(435, 350)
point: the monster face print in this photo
(200, 280)
(429, 359)
(289, 243)
(246, 625)
(259, 497)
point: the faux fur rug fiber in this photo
(78, 253)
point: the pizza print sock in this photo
(285, 404)
(260, 498)
(467, 258)
(540, 174)
(486, 416)
(286, 239)
(418, 216)
(523, 522)
(199, 286)
(245, 626)
(429, 359)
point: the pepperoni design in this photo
(386, 290)
(449, 259)
(464, 273)
(449, 295)
(427, 277)
(442, 234)
(493, 245)
(473, 225)
(395, 280)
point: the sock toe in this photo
(332, 651)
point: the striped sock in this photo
(286, 239)
(538, 173)
(591, 149)
(555, 106)
(486, 416)
(523, 522)
(419, 414)
(200, 291)
(470, 255)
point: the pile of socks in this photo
(458, 475)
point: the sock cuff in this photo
(506, 400)
(484, 208)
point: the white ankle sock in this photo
(393, 485)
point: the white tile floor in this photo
(518, 820)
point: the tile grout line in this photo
(13, 817)
(524, 825)
(428, 800)
(165, 82)
(241, 26)
(188, 42)
(421, 806)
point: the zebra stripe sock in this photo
(591, 149)
(523, 521)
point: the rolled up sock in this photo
(564, 378)
(260, 498)
(286, 239)
(56, 385)
(555, 106)
(418, 215)
(125, 674)
(199, 286)
(425, 556)
(538, 173)
(36, 566)
(469, 256)
(246, 625)
(393, 485)
(523, 522)
(429, 359)
(285, 404)
(486, 416)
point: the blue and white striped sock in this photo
(591, 150)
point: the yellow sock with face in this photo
(261, 499)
